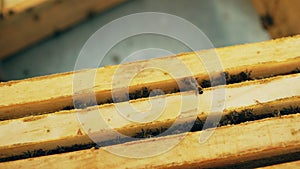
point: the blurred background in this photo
(45, 36)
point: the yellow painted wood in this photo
(54, 92)
(228, 145)
(67, 128)
(26, 22)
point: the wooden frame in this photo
(259, 120)
(279, 17)
(261, 59)
(267, 96)
(228, 145)
(24, 22)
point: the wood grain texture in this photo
(229, 144)
(26, 22)
(54, 92)
(279, 17)
(67, 128)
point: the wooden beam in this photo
(279, 17)
(228, 145)
(27, 22)
(53, 93)
(266, 97)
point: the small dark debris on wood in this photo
(57, 33)
(267, 21)
(11, 12)
(35, 17)
(91, 14)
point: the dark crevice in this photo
(297, 70)
(186, 84)
(58, 150)
(229, 79)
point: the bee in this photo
(68, 108)
(157, 92)
(144, 92)
(83, 104)
(191, 84)
(276, 113)
(248, 113)
(235, 116)
(205, 84)
(198, 125)
(243, 76)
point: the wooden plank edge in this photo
(228, 145)
(250, 107)
(45, 19)
(21, 97)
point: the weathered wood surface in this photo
(228, 145)
(26, 22)
(66, 128)
(54, 92)
(279, 17)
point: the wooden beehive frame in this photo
(74, 133)
(266, 59)
(279, 17)
(39, 19)
(42, 18)
(229, 145)
(268, 97)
